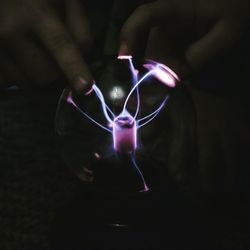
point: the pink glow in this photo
(165, 78)
(125, 134)
(170, 71)
(146, 188)
(69, 98)
(161, 74)
(89, 92)
(97, 156)
(122, 57)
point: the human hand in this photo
(223, 141)
(42, 39)
(186, 35)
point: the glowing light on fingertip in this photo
(162, 74)
(122, 57)
(152, 62)
(170, 71)
(89, 92)
(97, 155)
(69, 98)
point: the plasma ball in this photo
(124, 126)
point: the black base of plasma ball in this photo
(112, 213)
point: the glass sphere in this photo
(134, 158)
(134, 132)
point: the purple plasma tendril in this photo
(135, 80)
(124, 126)
(146, 188)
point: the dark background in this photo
(35, 184)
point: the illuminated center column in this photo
(124, 134)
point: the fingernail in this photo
(89, 91)
(123, 50)
(83, 87)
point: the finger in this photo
(11, 73)
(33, 60)
(159, 13)
(60, 44)
(161, 47)
(136, 27)
(224, 34)
(165, 48)
(78, 24)
(122, 9)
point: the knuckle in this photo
(61, 40)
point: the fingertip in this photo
(124, 50)
(83, 86)
(136, 28)
(88, 92)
